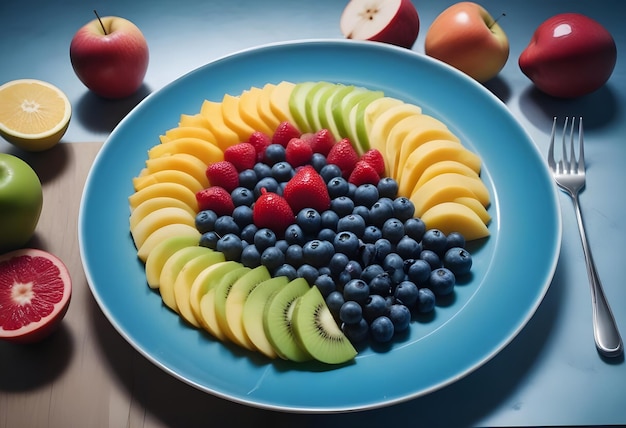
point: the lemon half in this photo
(34, 114)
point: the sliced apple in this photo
(206, 280)
(377, 108)
(311, 104)
(327, 120)
(357, 132)
(164, 233)
(342, 105)
(382, 125)
(297, 105)
(161, 252)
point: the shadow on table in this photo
(466, 402)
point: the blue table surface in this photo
(551, 373)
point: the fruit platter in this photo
(210, 336)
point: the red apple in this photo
(466, 37)
(569, 55)
(389, 21)
(110, 56)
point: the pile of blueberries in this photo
(372, 260)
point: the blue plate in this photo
(511, 273)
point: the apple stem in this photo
(496, 20)
(100, 21)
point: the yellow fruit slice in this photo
(232, 117)
(384, 123)
(375, 109)
(265, 109)
(475, 206)
(161, 252)
(172, 267)
(196, 120)
(164, 233)
(446, 188)
(188, 132)
(34, 114)
(454, 217)
(181, 162)
(279, 102)
(249, 110)
(167, 176)
(157, 219)
(204, 281)
(153, 204)
(443, 167)
(206, 151)
(169, 190)
(212, 112)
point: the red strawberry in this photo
(217, 199)
(260, 141)
(272, 211)
(375, 158)
(307, 189)
(242, 155)
(363, 173)
(323, 141)
(284, 132)
(298, 152)
(344, 156)
(223, 174)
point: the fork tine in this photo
(565, 157)
(581, 147)
(551, 162)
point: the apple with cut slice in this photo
(389, 21)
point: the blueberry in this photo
(269, 183)
(250, 256)
(408, 248)
(325, 284)
(400, 317)
(455, 239)
(338, 263)
(225, 225)
(383, 247)
(308, 272)
(242, 196)
(282, 245)
(274, 153)
(262, 170)
(381, 284)
(406, 292)
(317, 253)
(351, 223)
(318, 161)
(371, 271)
(294, 235)
(230, 245)
(248, 178)
(425, 300)
(346, 243)
(441, 281)
(342, 205)
(435, 240)
(381, 329)
(335, 301)
(286, 270)
(381, 211)
(264, 238)
(293, 255)
(351, 271)
(329, 219)
(243, 215)
(205, 221)
(326, 234)
(330, 171)
(337, 186)
(414, 228)
(282, 171)
(366, 195)
(362, 211)
(371, 234)
(393, 262)
(356, 332)
(393, 230)
(309, 220)
(209, 240)
(350, 312)
(351, 190)
(272, 258)
(431, 258)
(247, 233)
(403, 208)
(458, 260)
(419, 272)
(374, 306)
(367, 254)
(387, 187)
(357, 290)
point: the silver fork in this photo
(569, 174)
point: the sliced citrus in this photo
(34, 114)
(35, 291)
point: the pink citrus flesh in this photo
(35, 292)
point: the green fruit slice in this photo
(297, 105)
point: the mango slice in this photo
(455, 217)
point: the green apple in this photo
(21, 200)
(311, 104)
(327, 120)
(297, 108)
(345, 103)
(357, 119)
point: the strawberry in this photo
(242, 155)
(307, 189)
(217, 199)
(363, 173)
(376, 160)
(260, 141)
(298, 152)
(272, 211)
(323, 141)
(344, 156)
(284, 132)
(223, 174)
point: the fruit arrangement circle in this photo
(302, 220)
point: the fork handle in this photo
(606, 334)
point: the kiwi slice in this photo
(277, 316)
(317, 332)
(253, 313)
